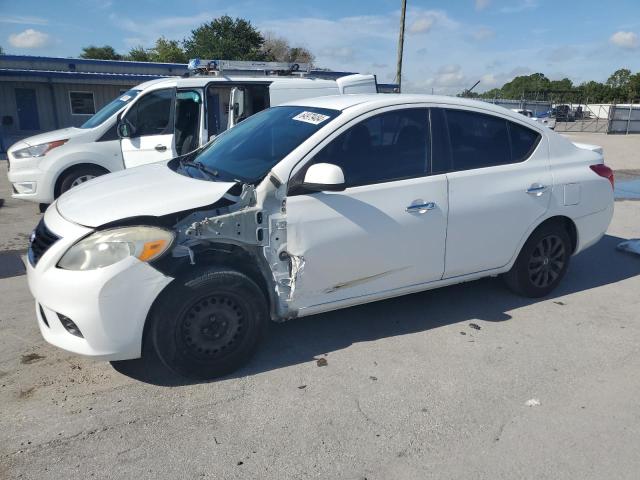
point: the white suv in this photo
(305, 208)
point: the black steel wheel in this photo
(542, 262)
(208, 323)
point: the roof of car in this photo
(379, 100)
(200, 81)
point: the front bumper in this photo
(28, 181)
(109, 305)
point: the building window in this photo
(82, 103)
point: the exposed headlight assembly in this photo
(38, 150)
(107, 247)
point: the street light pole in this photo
(401, 45)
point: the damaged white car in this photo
(306, 208)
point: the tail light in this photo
(604, 171)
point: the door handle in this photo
(161, 148)
(537, 189)
(421, 207)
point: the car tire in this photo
(79, 175)
(542, 262)
(209, 323)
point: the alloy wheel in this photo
(547, 261)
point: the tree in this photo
(1, 51)
(168, 51)
(106, 52)
(619, 78)
(277, 49)
(225, 38)
(139, 54)
(525, 85)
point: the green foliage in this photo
(139, 54)
(277, 49)
(621, 86)
(168, 51)
(106, 52)
(1, 51)
(225, 38)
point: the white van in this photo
(159, 120)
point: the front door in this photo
(152, 132)
(27, 105)
(499, 186)
(386, 230)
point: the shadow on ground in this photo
(303, 339)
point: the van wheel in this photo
(78, 176)
(542, 262)
(209, 323)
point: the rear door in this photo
(152, 121)
(499, 186)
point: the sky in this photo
(449, 45)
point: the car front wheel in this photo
(542, 262)
(79, 176)
(209, 323)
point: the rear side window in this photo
(477, 140)
(523, 142)
(383, 148)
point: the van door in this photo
(236, 106)
(151, 124)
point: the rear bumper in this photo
(592, 227)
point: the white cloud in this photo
(30, 38)
(624, 39)
(482, 4)
(23, 20)
(520, 6)
(147, 31)
(425, 20)
(483, 33)
(421, 25)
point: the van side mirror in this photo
(125, 129)
(324, 177)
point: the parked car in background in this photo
(160, 119)
(311, 206)
(544, 119)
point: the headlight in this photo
(38, 150)
(105, 248)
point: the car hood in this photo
(62, 134)
(150, 190)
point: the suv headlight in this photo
(38, 150)
(107, 247)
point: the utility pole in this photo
(401, 45)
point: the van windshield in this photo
(249, 150)
(110, 108)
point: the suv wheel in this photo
(209, 324)
(542, 262)
(78, 176)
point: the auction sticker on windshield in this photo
(311, 117)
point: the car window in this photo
(477, 140)
(152, 114)
(386, 147)
(523, 142)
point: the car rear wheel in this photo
(79, 176)
(542, 262)
(209, 323)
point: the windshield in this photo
(249, 150)
(110, 108)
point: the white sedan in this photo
(305, 208)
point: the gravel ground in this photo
(467, 381)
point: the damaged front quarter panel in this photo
(255, 220)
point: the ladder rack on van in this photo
(218, 67)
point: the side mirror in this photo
(324, 177)
(125, 129)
